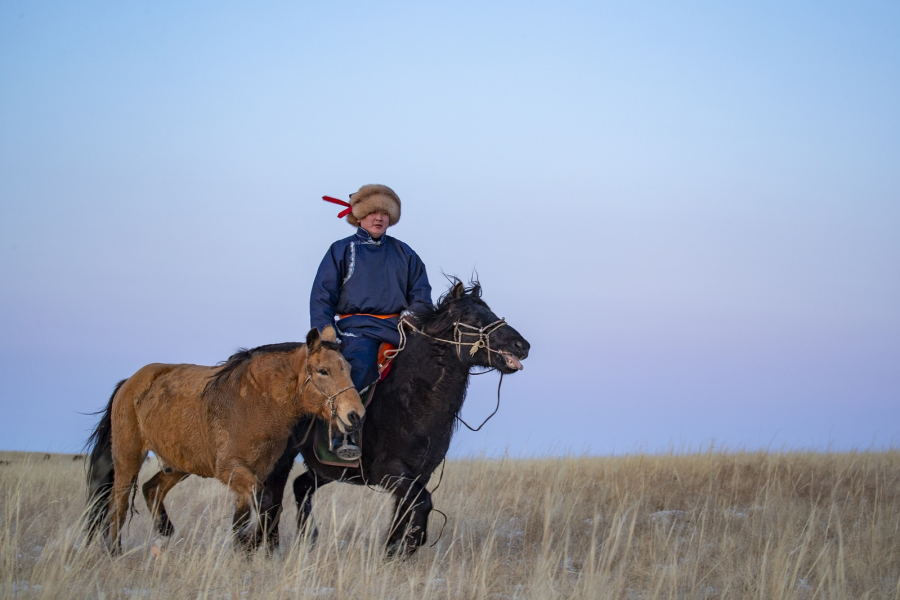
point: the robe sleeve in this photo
(326, 289)
(418, 296)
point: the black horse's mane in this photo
(450, 307)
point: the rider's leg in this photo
(362, 354)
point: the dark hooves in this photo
(401, 550)
(166, 528)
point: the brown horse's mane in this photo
(232, 369)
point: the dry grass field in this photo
(696, 526)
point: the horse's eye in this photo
(323, 372)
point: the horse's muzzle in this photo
(513, 355)
(522, 347)
(355, 422)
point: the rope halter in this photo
(328, 399)
(483, 334)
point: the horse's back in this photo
(171, 413)
(161, 381)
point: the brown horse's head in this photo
(329, 373)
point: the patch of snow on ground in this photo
(666, 516)
(438, 583)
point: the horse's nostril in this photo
(354, 419)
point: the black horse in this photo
(412, 417)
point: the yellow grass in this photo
(764, 526)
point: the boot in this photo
(346, 446)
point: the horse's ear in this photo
(458, 291)
(328, 334)
(312, 339)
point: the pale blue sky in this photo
(692, 212)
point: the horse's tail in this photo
(100, 471)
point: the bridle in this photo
(328, 399)
(483, 334)
(484, 341)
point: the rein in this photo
(483, 341)
(483, 334)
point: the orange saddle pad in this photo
(384, 363)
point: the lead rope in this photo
(460, 419)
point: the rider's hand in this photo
(410, 318)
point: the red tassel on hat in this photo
(344, 212)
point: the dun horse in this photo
(230, 422)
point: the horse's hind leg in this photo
(128, 456)
(128, 462)
(155, 491)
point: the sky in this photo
(691, 211)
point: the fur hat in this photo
(371, 198)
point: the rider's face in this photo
(375, 223)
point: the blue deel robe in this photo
(361, 276)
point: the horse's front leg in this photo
(409, 528)
(253, 515)
(305, 485)
(275, 483)
(252, 507)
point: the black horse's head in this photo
(483, 339)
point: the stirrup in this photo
(345, 448)
(348, 451)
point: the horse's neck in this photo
(280, 385)
(438, 365)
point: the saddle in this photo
(321, 443)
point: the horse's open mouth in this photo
(512, 362)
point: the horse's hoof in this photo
(114, 549)
(166, 529)
(310, 536)
(399, 551)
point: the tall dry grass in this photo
(699, 526)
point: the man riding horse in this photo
(365, 284)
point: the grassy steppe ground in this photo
(699, 526)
